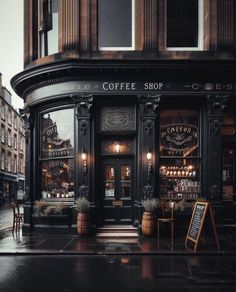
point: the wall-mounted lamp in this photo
(149, 157)
(84, 159)
(117, 146)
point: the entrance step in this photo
(117, 231)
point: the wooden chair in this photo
(17, 217)
(168, 217)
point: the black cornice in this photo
(175, 70)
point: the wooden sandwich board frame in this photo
(206, 208)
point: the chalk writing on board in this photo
(197, 221)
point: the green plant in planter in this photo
(82, 205)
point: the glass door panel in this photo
(109, 181)
(125, 181)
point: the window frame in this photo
(42, 160)
(200, 30)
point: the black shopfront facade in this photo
(120, 132)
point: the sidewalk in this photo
(74, 244)
(6, 217)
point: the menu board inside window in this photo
(179, 170)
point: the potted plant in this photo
(149, 219)
(83, 217)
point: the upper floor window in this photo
(3, 111)
(9, 116)
(2, 134)
(116, 25)
(184, 25)
(9, 138)
(2, 159)
(15, 164)
(15, 141)
(15, 121)
(9, 166)
(48, 27)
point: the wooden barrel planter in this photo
(83, 223)
(149, 223)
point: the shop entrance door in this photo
(117, 186)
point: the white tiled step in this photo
(117, 234)
(117, 229)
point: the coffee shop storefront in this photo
(117, 140)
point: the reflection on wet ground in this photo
(117, 273)
(40, 262)
(70, 244)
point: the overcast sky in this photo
(11, 44)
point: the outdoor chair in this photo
(168, 217)
(17, 217)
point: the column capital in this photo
(83, 105)
(28, 121)
(216, 103)
(149, 104)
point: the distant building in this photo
(12, 148)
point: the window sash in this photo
(132, 47)
(200, 31)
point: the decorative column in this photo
(147, 144)
(216, 104)
(83, 105)
(69, 25)
(226, 25)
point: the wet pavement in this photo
(62, 263)
(117, 273)
(43, 263)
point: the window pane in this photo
(58, 178)
(125, 181)
(228, 173)
(57, 134)
(115, 23)
(229, 124)
(109, 180)
(53, 33)
(182, 23)
(179, 133)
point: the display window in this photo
(57, 154)
(179, 150)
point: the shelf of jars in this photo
(178, 172)
(179, 188)
(58, 194)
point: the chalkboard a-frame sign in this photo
(197, 221)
